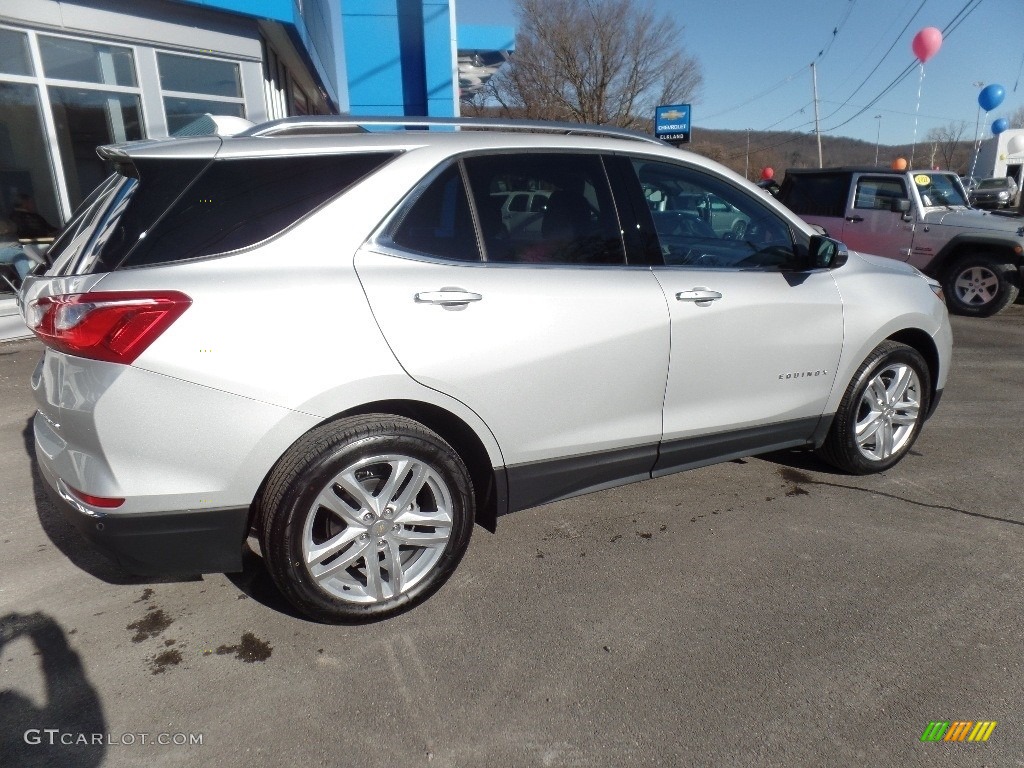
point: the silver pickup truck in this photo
(920, 217)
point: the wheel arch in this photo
(925, 345)
(1007, 251)
(490, 484)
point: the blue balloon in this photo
(991, 96)
(1000, 125)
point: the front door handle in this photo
(447, 297)
(698, 295)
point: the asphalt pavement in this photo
(766, 611)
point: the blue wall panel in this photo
(399, 57)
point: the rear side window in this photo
(576, 222)
(819, 194)
(439, 222)
(237, 203)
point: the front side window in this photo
(703, 221)
(875, 193)
(576, 224)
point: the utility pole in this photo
(878, 135)
(746, 163)
(817, 128)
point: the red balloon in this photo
(767, 173)
(927, 43)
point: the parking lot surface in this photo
(766, 611)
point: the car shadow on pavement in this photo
(795, 465)
(69, 541)
(255, 582)
(69, 728)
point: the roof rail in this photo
(327, 124)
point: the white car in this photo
(327, 337)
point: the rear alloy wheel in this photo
(980, 286)
(365, 517)
(882, 411)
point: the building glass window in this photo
(194, 86)
(26, 178)
(14, 56)
(86, 119)
(66, 59)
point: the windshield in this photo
(939, 189)
(994, 183)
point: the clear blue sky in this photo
(756, 57)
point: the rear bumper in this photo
(186, 542)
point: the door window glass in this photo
(439, 222)
(703, 221)
(578, 223)
(876, 194)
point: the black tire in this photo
(842, 449)
(980, 285)
(365, 454)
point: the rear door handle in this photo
(698, 295)
(447, 297)
(855, 218)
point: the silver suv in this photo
(326, 337)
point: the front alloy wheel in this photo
(882, 411)
(888, 412)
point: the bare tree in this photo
(1017, 118)
(594, 61)
(947, 141)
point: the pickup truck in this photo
(920, 217)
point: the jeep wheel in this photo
(979, 285)
(882, 411)
(365, 517)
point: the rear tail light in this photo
(114, 326)
(102, 502)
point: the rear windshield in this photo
(162, 211)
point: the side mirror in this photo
(827, 253)
(899, 205)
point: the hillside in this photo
(781, 150)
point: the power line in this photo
(789, 78)
(880, 61)
(969, 7)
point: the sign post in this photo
(672, 123)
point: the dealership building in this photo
(78, 74)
